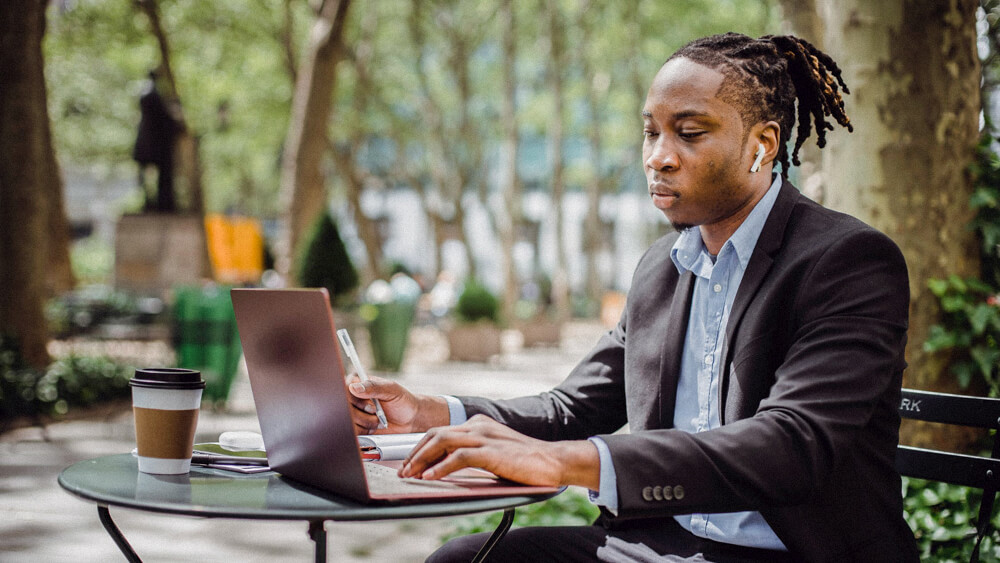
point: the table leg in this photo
(105, 515)
(498, 534)
(318, 535)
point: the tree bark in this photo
(25, 197)
(303, 194)
(913, 71)
(555, 80)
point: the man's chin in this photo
(678, 226)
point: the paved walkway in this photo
(41, 522)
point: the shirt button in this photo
(708, 360)
(717, 287)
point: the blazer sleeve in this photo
(828, 404)
(590, 401)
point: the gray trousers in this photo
(652, 540)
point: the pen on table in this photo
(204, 459)
(352, 354)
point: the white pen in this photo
(352, 354)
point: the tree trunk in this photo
(445, 172)
(555, 79)
(914, 73)
(596, 95)
(302, 193)
(25, 200)
(509, 215)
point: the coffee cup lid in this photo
(167, 378)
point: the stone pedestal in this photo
(154, 252)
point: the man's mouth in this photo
(662, 197)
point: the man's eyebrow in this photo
(683, 114)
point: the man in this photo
(757, 363)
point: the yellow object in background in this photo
(235, 247)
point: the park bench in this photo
(954, 468)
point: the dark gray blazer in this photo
(813, 361)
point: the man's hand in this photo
(483, 442)
(405, 411)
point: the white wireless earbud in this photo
(760, 157)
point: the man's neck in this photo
(716, 234)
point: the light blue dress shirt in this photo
(697, 405)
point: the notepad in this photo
(385, 447)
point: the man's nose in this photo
(662, 156)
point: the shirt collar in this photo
(689, 246)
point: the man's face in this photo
(694, 152)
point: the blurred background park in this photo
(468, 168)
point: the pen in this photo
(205, 459)
(352, 354)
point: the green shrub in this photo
(73, 381)
(942, 518)
(970, 320)
(325, 262)
(571, 508)
(477, 303)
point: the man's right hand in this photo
(404, 410)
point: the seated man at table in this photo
(757, 363)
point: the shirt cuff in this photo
(608, 495)
(456, 410)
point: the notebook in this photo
(297, 378)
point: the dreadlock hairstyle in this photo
(764, 79)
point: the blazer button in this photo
(658, 492)
(647, 493)
(678, 492)
(668, 494)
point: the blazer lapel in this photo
(768, 244)
(673, 347)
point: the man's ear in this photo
(767, 133)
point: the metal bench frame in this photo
(955, 468)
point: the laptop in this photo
(297, 378)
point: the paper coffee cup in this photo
(165, 402)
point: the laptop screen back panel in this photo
(297, 379)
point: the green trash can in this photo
(206, 338)
(389, 331)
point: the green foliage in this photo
(943, 517)
(325, 262)
(571, 508)
(969, 327)
(83, 309)
(970, 319)
(477, 303)
(93, 261)
(73, 381)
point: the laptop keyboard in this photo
(384, 480)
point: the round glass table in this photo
(214, 493)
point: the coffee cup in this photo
(165, 402)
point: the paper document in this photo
(383, 447)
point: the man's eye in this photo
(690, 134)
(647, 133)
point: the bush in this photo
(477, 303)
(325, 262)
(942, 518)
(73, 381)
(571, 508)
